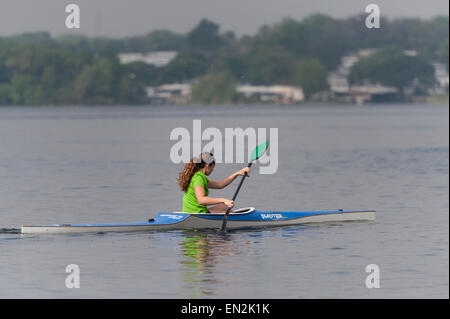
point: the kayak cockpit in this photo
(240, 211)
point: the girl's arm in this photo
(205, 200)
(226, 181)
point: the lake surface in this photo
(112, 164)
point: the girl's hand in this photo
(243, 171)
(228, 202)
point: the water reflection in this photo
(201, 252)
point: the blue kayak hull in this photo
(243, 218)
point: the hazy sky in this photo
(119, 18)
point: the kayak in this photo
(239, 219)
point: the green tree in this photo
(270, 65)
(205, 36)
(238, 66)
(105, 82)
(443, 52)
(130, 91)
(5, 94)
(143, 73)
(42, 38)
(317, 35)
(323, 39)
(389, 66)
(73, 41)
(311, 75)
(217, 88)
(185, 66)
(22, 89)
(161, 40)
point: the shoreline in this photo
(432, 100)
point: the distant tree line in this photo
(73, 69)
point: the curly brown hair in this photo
(194, 165)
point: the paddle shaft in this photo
(224, 225)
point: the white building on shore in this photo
(156, 58)
(342, 90)
(442, 78)
(177, 93)
(279, 94)
(338, 80)
(180, 93)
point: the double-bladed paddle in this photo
(257, 153)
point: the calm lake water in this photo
(87, 165)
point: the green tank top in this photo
(190, 203)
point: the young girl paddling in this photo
(195, 185)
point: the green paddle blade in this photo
(259, 151)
